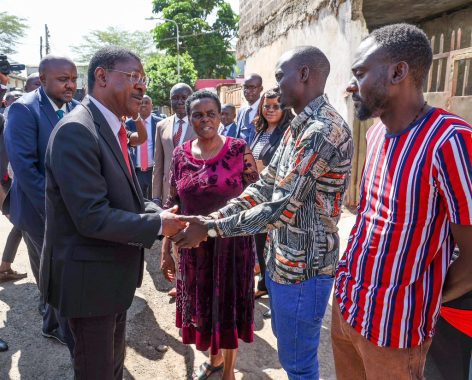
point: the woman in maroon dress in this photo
(215, 297)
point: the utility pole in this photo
(47, 35)
(178, 39)
(41, 47)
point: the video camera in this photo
(6, 68)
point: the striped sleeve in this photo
(454, 176)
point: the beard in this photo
(371, 104)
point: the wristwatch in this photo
(212, 231)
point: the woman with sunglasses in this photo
(271, 123)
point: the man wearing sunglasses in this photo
(98, 223)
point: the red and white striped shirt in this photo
(414, 185)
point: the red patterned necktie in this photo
(124, 146)
(178, 134)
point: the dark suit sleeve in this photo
(75, 165)
(21, 139)
(130, 125)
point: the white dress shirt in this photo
(254, 108)
(184, 128)
(113, 121)
(148, 123)
(55, 107)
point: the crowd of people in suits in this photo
(228, 194)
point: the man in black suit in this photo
(97, 221)
(143, 155)
(31, 119)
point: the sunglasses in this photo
(274, 107)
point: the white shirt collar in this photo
(113, 121)
(255, 105)
(176, 119)
(55, 107)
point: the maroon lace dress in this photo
(215, 296)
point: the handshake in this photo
(184, 231)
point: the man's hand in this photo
(171, 224)
(167, 262)
(193, 235)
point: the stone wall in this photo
(271, 27)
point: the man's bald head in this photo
(252, 88)
(51, 61)
(313, 58)
(301, 74)
(58, 77)
(146, 107)
(32, 82)
(178, 96)
(254, 77)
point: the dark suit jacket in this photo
(3, 152)
(245, 132)
(131, 126)
(97, 221)
(31, 120)
(274, 141)
(232, 130)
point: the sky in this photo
(69, 21)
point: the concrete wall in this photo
(275, 27)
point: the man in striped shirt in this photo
(416, 203)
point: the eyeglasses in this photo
(134, 77)
(274, 107)
(250, 88)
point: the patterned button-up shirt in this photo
(298, 197)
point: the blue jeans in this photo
(297, 313)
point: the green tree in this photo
(138, 42)
(12, 29)
(162, 72)
(207, 28)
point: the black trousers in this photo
(51, 318)
(11, 247)
(99, 351)
(451, 351)
(260, 240)
(145, 181)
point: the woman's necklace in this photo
(210, 155)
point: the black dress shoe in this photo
(3, 345)
(54, 334)
(267, 314)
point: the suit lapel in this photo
(153, 132)
(167, 134)
(189, 133)
(46, 108)
(107, 134)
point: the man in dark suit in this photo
(31, 119)
(228, 127)
(252, 89)
(97, 222)
(143, 155)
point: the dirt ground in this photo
(150, 324)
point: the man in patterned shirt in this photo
(298, 202)
(416, 203)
